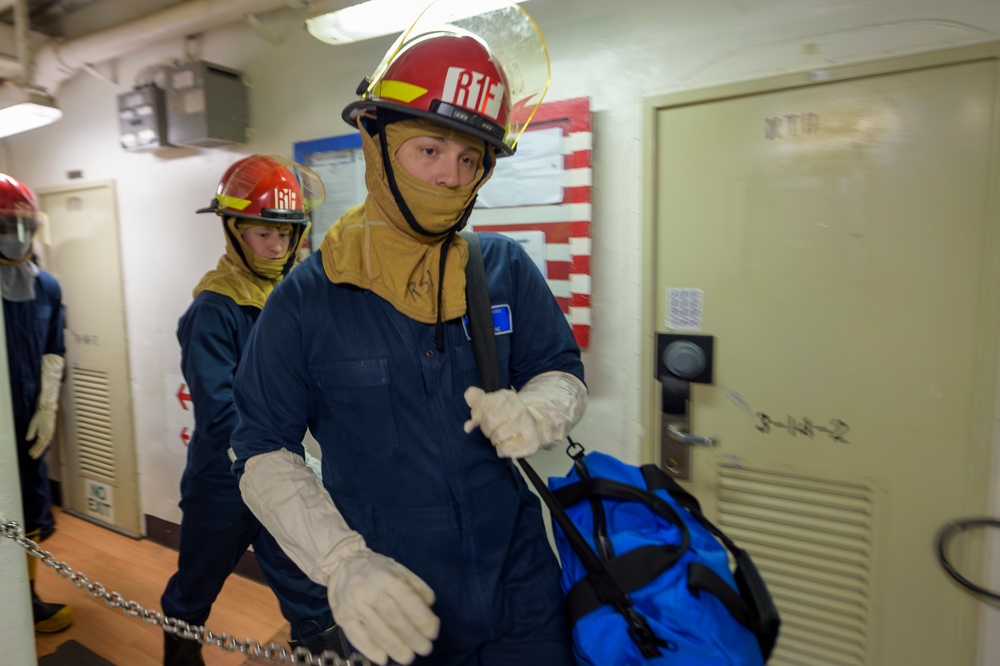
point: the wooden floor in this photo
(139, 570)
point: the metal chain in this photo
(273, 652)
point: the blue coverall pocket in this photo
(358, 395)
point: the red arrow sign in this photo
(185, 436)
(183, 395)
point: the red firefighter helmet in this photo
(449, 78)
(484, 75)
(17, 199)
(269, 188)
(19, 215)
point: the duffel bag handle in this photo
(753, 607)
(602, 585)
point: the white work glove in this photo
(382, 607)
(43, 424)
(521, 422)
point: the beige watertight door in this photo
(837, 237)
(99, 472)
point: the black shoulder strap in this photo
(606, 589)
(477, 307)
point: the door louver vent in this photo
(93, 438)
(811, 539)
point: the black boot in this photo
(179, 651)
(49, 618)
(331, 640)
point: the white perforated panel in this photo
(811, 539)
(94, 435)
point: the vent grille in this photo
(92, 420)
(811, 539)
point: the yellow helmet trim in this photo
(235, 203)
(400, 90)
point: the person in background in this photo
(264, 202)
(431, 546)
(36, 358)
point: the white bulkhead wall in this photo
(614, 53)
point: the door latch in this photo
(681, 360)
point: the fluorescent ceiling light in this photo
(23, 109)
(332, 23)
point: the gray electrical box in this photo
(142, 119)
(206, 105)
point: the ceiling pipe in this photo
(21, 39)
(9, 67)
(57, 61)
(263, 30)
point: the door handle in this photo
(682, 437)
(681, 360)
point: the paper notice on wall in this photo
(343, 174)
(684, 309)
(100, 501)
(532, 176)
(533, 243)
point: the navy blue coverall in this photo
(34, 328)
(387, 409)
(217, 527)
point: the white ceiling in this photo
(60, 28)
(63, 32)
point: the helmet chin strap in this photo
(292, 246)
(391, 177)
(15, 262)
(239, 250)
(449, 235)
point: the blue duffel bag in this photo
(650, 582)
(647, 578)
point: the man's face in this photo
(438, 161)
(15, 236)
(268, 242)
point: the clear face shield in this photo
(512, 38)
(16, 231)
